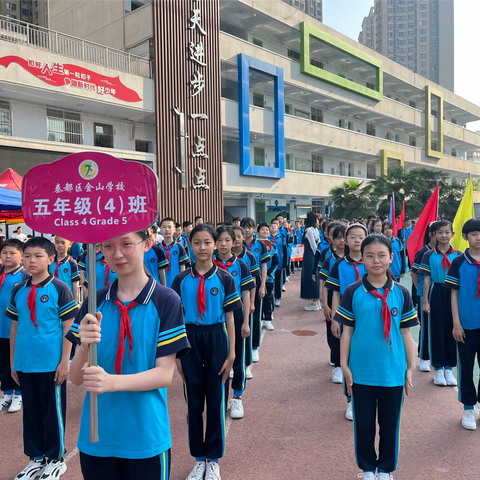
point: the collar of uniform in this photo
(13, 272)
(41, 284)
(468, 257)
(209, 274)
(165, 245)
(243, 253)
(331, 248)
(335, 256)
(450, 250)
(349, 259)
(65, 260)
(143, 297)
(232, 259)
(369, 287)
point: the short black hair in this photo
(204, 227)
(263, 224)
(236, 219)
(198, 217)
(229, 230)
(248, 222)
(15, 243)
(472, 225)
(177, 225)
(186, 224)
(40, 242)
(167, 219)
(240, 229)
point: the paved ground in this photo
(294, 427)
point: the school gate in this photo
(188, 118)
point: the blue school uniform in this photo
(177, 256)
(104, 274)
(398, 265)
(278, 242)
(39, 348)
(65, 270)
(442, 344)
(11, 279)
(257, 247)
(207, 334)
(76, 250)
(322, 255)
(189, 251)
(240, 272)
(251, 262)
(344, 273)
(157, 331)
(154, 261)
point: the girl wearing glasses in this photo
(140, 331)
(377, 356)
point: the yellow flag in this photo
(465, 212)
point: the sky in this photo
(346, 16)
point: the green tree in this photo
(351, 200)
(450, 198)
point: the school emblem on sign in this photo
(44, 298)
(88, 169)
(214, 291)
(394, 311)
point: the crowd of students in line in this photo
(197, 299)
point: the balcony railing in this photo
(24, 33)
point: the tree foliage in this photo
(352, 200)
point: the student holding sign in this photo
(130, 378)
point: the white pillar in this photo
(251, 206)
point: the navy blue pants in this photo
(268, 302)
(249, 346)
(201, 367)
(101, 468)
(44, 413)
(366, 401)
(7, 383)
(423, 339)
(278, 279)
(257, 315)
(466, 362)
(443, 351)
(332, 340)
(240, 364)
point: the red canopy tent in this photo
(11, 180)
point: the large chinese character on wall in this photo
(189, 129)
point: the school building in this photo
(246, 108)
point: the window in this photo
(423, 14)
(103, 135)
(317, 115)
(434, 145)
(397, 138)
(423, 56)
(317, 163)
(11, 6)
(423, 64)
(318, 206)
(342, 168)
(423, 31)
(25, 12)
(341, 123)
(64, 126)
(5, 118)
(371, 170)
(423, 6)
(351, 169)
(258, 100)
(423, 47)
(289, 161)
(143, 146)
(389, 136)
(423, 72)
(293, 54)
(288, 109)
(454, 152)
(302, 114)
(9, 15)
(411, 66)
(351, 126)
(257, 42)
(423, 39)
(370, 129)
(423, 23)
(316, 63)
(259, 156)
(303, 164)
(411, 103)
(412, 141)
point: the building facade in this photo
(314, 8)
(418, 34)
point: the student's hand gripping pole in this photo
(92, 349)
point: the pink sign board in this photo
(89, 197)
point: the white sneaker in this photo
(337, 375)
(311, 306)
(424, 366)
(316, 307)
(236, 410)
(34, 469)
(349, 412)
(231, 373)
(5, 402)
(331, 364)
(54, 469)
(277, 302)
(284, 289)
(367, 475)
(263, 323)
(384, 476)
(469, 420)
(16, 404)
(213, 471)
(287, 279)
(440, 378)
(249, 374)
(198, 471)
(269, 325)
(255, 356)
(449, 378)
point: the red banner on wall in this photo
(62, 74)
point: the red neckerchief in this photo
(32, 303)
(125, 330)
(250, 245)
(387, 318)
(201, 302)
(55, 274)
(2, 277)
(350, 261)
(167, 249)
(274, 239)
(446, 263)
(222, 265)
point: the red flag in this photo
(401, 220)
(429, 214)
(391, 217)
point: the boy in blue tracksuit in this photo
(42, 309)
(278, 240)
(397, 267)
(463, 281)
(64, 267)
(11, 274)
(187, 228)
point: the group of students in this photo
(197, 300)
(369, 315)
